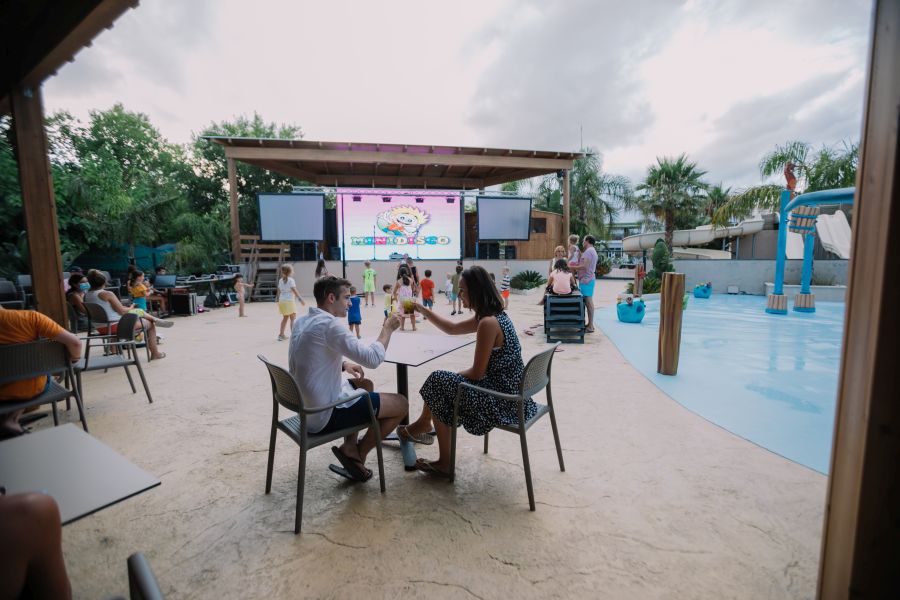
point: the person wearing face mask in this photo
(78, 285)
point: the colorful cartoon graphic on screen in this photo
(402, 221)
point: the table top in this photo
(80, 472)
(414, 349)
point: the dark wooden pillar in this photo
(566, 200)
(861, 542)
(235, 215)
(38, 202)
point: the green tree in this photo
(210, 190)
(672, 193)
(803, 169)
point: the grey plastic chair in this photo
(535, 378)
(286, 393)
(24, 283)
(33, 359)
(142, 583)
(98, 319)
(10, 297)
(123, 341)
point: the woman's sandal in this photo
(428, 468)
(403, 433)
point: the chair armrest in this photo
(318, 409)
(496, 394)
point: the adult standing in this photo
(586, 269)
(496, 365)
(321, 269)
(413, 272)
(320, 341)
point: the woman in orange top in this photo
(17, 326)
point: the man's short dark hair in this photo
(590, 239)
(328, 285)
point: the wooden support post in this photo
(38, 203)
(861, 542)
(670, 308)
(235, 215)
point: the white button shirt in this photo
(319, 343)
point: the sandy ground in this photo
(655, 502)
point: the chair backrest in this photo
(125, 328)
(24, 281)
(8, 291)
(142, 583)
(32, 359)
(96, 314)
(284, 387)
(537, 372)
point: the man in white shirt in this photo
(320, 341)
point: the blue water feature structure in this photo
(799, 215)
(631, 313)
(703, 290)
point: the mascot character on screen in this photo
(402, 221)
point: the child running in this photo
(239, 287)
(427, 287)
(354, 317)
(287, 291)
(369, 276)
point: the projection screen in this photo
(503, 218)
(292, 217)
(385, 224)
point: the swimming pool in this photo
(770, 379)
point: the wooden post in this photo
(861, 542)
(567, 231)
(38, 203)
(670, 309)
(638, 287)
(235, 215)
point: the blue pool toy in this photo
(703, 290)
(631, 313)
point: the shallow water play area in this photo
(771, 379)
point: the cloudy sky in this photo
(724, 81)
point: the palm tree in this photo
(716, 197)
(826, 169)
(673, 189)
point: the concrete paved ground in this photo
(655, 502)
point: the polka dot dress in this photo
(479, 412)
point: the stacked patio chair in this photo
(33, 359)
(535, 379)
(24, 284)
(564, 318)
(286, 393)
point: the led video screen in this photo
(503, 218)
(386, 224)
(291, 217)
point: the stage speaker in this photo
(510, 253)
(488, 250)
(183, 304)
(335, 253)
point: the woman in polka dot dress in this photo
(497, 365)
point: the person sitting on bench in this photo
(562, 280)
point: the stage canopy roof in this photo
(393, 165)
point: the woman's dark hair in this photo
(320, 266)
(96, 279)
(403, 271)
(561, 265)
(405, 279)
(481, 292)
(75, 282)
(133, 275)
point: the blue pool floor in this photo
(771, 379)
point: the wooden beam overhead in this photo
(395, 158)
(396, 181)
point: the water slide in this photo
(695, 237)
(834, 233)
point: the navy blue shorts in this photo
(358, 414)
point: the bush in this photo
(604, 266)
(527, 280)
(661, 261)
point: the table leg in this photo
(407, 449)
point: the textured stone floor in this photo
(655, 502)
